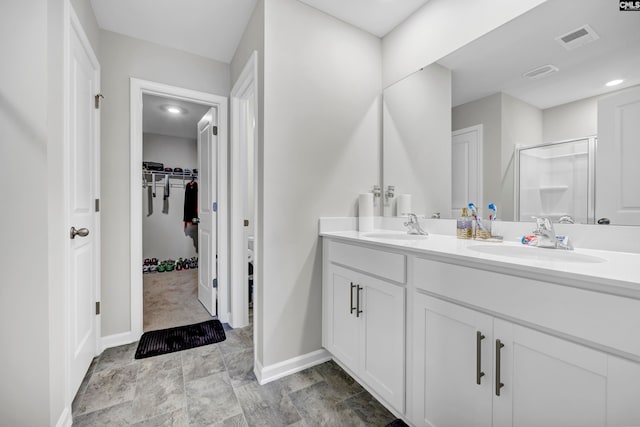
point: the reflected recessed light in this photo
(614, 82)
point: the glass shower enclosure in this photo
(555, 180)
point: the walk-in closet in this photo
(169, 223)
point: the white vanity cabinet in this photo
(364, 316)
(505, 374)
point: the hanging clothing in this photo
(150, 200)
(165, 203)
(190, 203)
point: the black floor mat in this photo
(397, 423)
(164, 341)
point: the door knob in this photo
(82, 232)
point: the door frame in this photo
(139, 87)
(245, 89)
(72, 25)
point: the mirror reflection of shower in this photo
(556, 180)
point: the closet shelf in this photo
(171, 174)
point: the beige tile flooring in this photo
(213, 385)
(171, 299)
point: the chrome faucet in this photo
(566, 219)
(413, 225)
(547, 235)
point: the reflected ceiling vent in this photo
(578, 37)
(540, 72)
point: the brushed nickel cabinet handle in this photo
(358, 311)
(82, 232)
(479, 373)
(351, 307)
(499, 384)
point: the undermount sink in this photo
(534, 253)
(395, 236)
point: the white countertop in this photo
(618, 274)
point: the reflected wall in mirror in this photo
(523, 85)
(416, 148)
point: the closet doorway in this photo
(172, 175)
(169, 213)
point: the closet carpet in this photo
(171, 299)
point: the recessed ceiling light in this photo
(614, 82)
(174, 109)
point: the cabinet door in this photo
(382, 356)
(446, 365)
(548, 381)
(342, 333)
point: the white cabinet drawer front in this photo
(605, 319)
(388, 265)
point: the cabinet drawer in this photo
(388, 265)
(609, 320)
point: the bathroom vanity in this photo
(449, 332)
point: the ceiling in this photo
(213, 28)
(497, 61)
(155, 118)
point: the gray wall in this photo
(121, 58)
(321, 149)
(572, 120)
(487, 112)
(32, 223)
(507, 122)
(163, 234)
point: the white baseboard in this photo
(65, 418)
(278, 370)
(116, 340)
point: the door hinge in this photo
(214, 207)
(215, 130)
(97, 205)
(97, 307)
(215, 283)
(97, 100)
(246, 222)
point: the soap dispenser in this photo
(464, 227)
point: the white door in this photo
(207, 210)
(342, 334)
(466, 158)
(618, 151)
(549, 381)
(81, 192)
(382, 338)
(452, 365)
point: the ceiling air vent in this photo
(540, 72)
(578, 37)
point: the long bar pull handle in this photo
(358, 311)
(351, 307)
(479, 373)
(499, 384)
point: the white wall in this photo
(163, 235)
(321, 148)
(439, 28)
(121, 58)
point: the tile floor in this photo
(214, 385)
